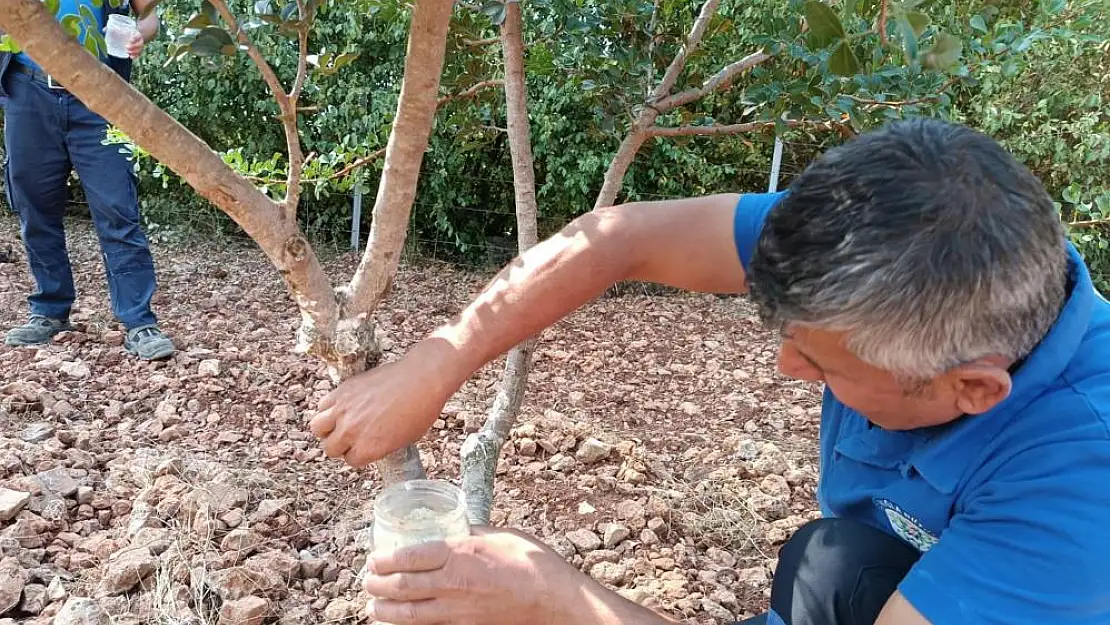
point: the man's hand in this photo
(379, 411)
(135, 45)
(495, 577)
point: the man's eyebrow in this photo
(784, 333)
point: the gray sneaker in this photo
(37, 331)
(148, 343)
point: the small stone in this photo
(269, 508)
(601, 555)
(12, 581)
(472, 422)
(59, 482)
(585, 508)
(165, 410)
(76, 370)
(170, 466)
(649, 538)
(63, 409)
(340, 610)
(282, 564)
(630, 510)
(37, 432)
(209, 368)
(609, 573)
(717, 611)
(237, 582)
(584, 540)
(615, 534)
(84, 495)
(753, 575)
(241, 540)
(561, 463)
(592, 451)
(126, 570)
(689, 408)
(82, 611)
(526, 447)
(312, 568)
(172, 433)
(250, 610)
(11, 502)
(56, 591)
(34, 598)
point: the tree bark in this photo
(404, 154)
(481, 451)
(105, 93)
(416, 109)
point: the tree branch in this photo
(721, 79)
(287, 103)
(900, 103)
(735, 129)
(416, 108)
(470, 92)
(478, 43)
(693, 40)
(1089, 223)
(881, 24)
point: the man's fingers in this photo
(328, 401)
(407, 612)
(335, 446)
(358, 456)
(415, 559)
(403, 586)
(323, 423)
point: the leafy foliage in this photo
(592, 63)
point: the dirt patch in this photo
(657, 449)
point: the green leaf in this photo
(97, 3)
(918, 21)
(843, 60)
(213, 40)
(945, 52)
(1053, 7)
(909, 39)
(71, 24)
(7, 44)
(200, 20)
(1071, 194)
(824, 27)
(979, 24)
(52, 6)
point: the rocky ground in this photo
(657, 450)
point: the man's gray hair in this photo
(926, 242)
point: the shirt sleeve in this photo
(751, 211)
(1029, 546)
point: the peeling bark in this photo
(480, 451)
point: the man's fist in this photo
(135, 45)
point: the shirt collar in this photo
(943, 460)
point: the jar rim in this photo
(438, 488)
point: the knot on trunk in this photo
(296, 248)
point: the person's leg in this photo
(38, 166)
(837, 572)
(109, 184)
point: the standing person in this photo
(48, 132)
(924, 277)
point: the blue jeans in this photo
(48, 132)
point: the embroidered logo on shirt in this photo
(906, 526)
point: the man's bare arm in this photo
(149, 25)
(686, 244)
(899, 611)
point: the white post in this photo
(356, 219)
(776, 163)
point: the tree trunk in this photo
(404, 154)
(614, 176)
(481, 450)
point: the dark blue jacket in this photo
(121, 66)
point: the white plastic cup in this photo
(120, 30)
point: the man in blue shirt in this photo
(923, 276)
(47, 133)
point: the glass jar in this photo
(419, 511)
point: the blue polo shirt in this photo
(1011, 508)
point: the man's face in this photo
(821, 356)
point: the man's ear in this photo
(980, 386)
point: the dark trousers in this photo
(48, 132)
(836, 572)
